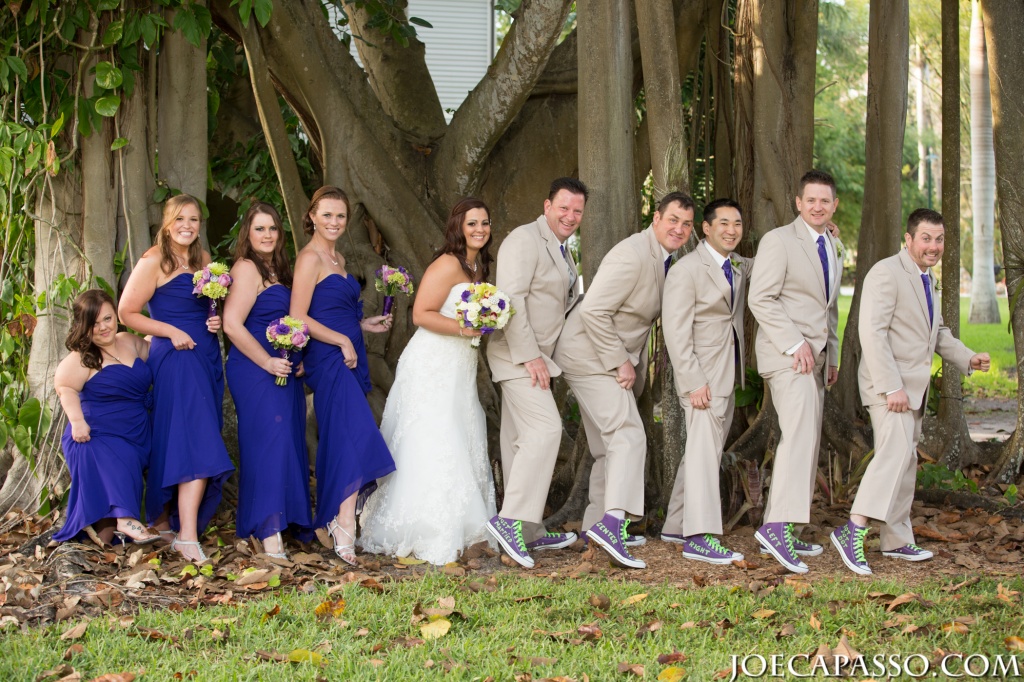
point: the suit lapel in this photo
(810, 250)
(835, 274)
(554, 249)
(657, 260)
(716, 273)
(914, 277)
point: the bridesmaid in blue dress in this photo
(351, 454)
(273, 483)
(103, 387)
(189, 463)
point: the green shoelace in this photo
(858, 544)
(623, 533)
(714, 544)
(787, 537)
(914, 547)
(517, 533)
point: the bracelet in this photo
(460, 331)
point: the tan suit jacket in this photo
(699, 320)
(897, 341)
(533, 273)
(613, 322)
(787, 298)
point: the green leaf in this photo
(30, 414)
(57, 126)
(159, 194)
(107, 5)
(149, 29)
(244, 11)
(263, 10)
(113, 32)
(5, 172)
(108, 76)
(23, 441)
(107, 106)
(17, 66)
(105, 285)
(420, 22)
(118, 143)
(132, 29)
(3, 434)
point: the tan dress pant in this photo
(799, 400)
(696, 503)
(886, 492)
(618, 444)
(531, 431)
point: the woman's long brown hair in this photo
(172, 209)
(278, 259)
(455, 240)
(84, 312)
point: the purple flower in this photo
(466, 295)
(225, 280)
(486, 330)
(501, 304)
(298, 339)
(282, 330)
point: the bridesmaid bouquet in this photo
(212, 282)
(483, 306)
(390, 281)
(287, 335)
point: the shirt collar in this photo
(719, 258)
(814, 233)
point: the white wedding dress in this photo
(441, 495)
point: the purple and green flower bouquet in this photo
(485, 307)
(391, 280)
(287, 335)
(212, 282)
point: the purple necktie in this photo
(668, 264)
(824, 265)
(928, 296)
(727, 269)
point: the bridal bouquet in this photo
(390, 281)
(287, 335)
(483, 306)
(212, 282)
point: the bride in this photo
(440, 497)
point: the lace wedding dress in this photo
(441, 495)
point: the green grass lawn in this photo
(533, 625)
(1001, 381)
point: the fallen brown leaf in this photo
(674, 657)
(814, 622)
(270, 614)
(1014, 643)
(632, 668)
(601, 602)
(329, 609)
(271, 656)
(61, 670)
(648, 628)
(762, 613)
(787, 631)
(955, 628)
(76, 632)
(72, 651)
(372, 585)
(589, 632)
(634, 599)
(114, 677)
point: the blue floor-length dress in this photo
(106, 471)
(188, 392)
(351, 454)
(273, 464)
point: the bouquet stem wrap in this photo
(285, 355)
(212, 282)
(389, 302)
(391, 280)
(212, 310)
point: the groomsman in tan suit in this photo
(702, 319)
(900, 328)
(537, 272)
(602, 355)
(794, 289)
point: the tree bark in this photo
(984, 304)
(182, 127)
(719, 47)
(136, 180)
(950, 440)
(295, 201)
(398, 75)
(1004, 33)
(606, 129)
(881, 218)
(662, 87)
(776, 43)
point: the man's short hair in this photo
(816, 177)
(711, 208)
(923, 215)
(683, 199)
(571, 185)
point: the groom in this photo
(537, 272)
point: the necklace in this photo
(103, 350)
(184, 265)
(328, 257)
(472, 266)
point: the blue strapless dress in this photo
(273, 464)
(188, 393)
(106, 472)
(351, 454)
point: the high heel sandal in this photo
(280, 543)
(175, 543)
(343, 551)
(134, 525)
